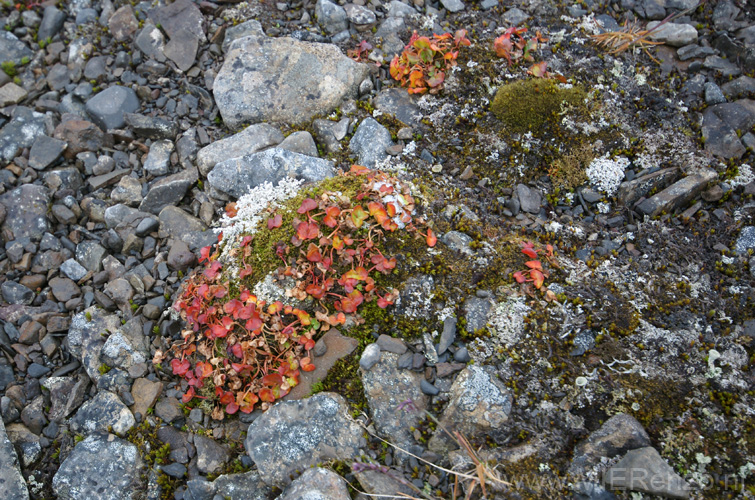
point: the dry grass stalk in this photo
(629, 37)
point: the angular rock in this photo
(15, 293)
(529, 198)
(631, 191)
(744, 86)
(300, 142)
(179, 17)
(245, 486)
(746, 240)
(168, 191)
(108, 107)
(26, 442)
(85, 339)
(151, 42)
(247, 28)
(616, 436)
(211, 455)
(123, 23)
(293, 435)
(26, 212)
(101, 466)
(80, 135)
(151, 127)
(12, 484)
(250, 140)
(177, 224)
(66, 395)
(448, 335)
(21, 132)
(12, 49)
(397, 8)
(644, 470)
(360, 16)
(331, 16)
(158, 159)
(452, 5)
(479, 405)
(679, 194)
(45, 151)
(674, 34)
(10, 93)
(317, 483)
(64, 289)
(386, 387)
(182, 49)
(90, 255)
(400, 104)
(100, 414)
(282, 79)
(723, 66)
(369, 142)
(126, 347)
(237, 176)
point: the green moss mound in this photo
(529, 105)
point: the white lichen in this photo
(606, 173)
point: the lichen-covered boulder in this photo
(479, 406)
(317, 483)
(101, 466)
(294, 435)
(283, 80)
(86, 338)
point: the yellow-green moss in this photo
(527, 105)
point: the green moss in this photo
(568, 172)
(527, 105)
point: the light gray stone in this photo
(237, 176)
(452, 5)
(108, 107)
(679, 194)
(282, 79)
(369, 142)
(252, 139)
(331, 16)
(10, 93)
(100, 414)
(12, 484)
(85, 338)
(317, 483)
(644, 470)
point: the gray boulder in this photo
(674, 34)
(617, 435)
(126, 347)
(331, 16)
(108, 107)
(645, 470)
(101, 466)
(252, 139)
(168, 191)
(12, 49)
(245, 486)
(294, 435)
(317, 483)
(23, 129)
(103, 412)
(85, 338)
(237, 176)
(479, 406)
(369, 142)
(26, 211)
(282, 79)
(12, 484)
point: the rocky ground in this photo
(127, 128)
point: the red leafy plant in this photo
(514, 47)
(237, 350)
(360, 52)
(422, 65)
(534, 272)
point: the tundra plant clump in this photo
(239, 349)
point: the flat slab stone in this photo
(645, 470)
(178, 17)
(12, 49)
(45, 151)
(617, 435)
(10, 93)
(252, 139)
(678, 194)
(317, 483)
(168, 191)
(26, 211)
(674, 34)
(294, 435)
(369, 142)
(282, 79)
(237, 176)
(338, 346)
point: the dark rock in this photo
(14, 293)
(721, 65)
(369, 142)
(631, 191)
(457, 241)
(101, 466)
(428, 388)
(448, 335)
(336, 346)
(26, 442)
(245, 486)
(26, 210)
(90, 255)
(694, 52)
(174, 470)
(179, 256)
(617, 435)
(529, 198)
(317, 483)
(21, 132)
(238, 175)
(178, 17)
(108, 107)
(263, 79)
(452, 5)
(390, 344)
(66, 395)
(300, 142)
(158, 159)
(182, 49)
(744, 86)
(151, 127)
(64, 289)
(168, 191)
(45, 151)
(293, 435)
(169, 410)
(591, 491)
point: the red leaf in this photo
(237, 351)
(230, 209)
(180, 367)
(351, 302)
(307, 205)
(306, 364)
(267, 395)
(246, 240)
(529, 252)
(188, 396)
(329, 221)
(204, 254)
(519, 277)
(307, 231)
(431, 238)
(231, 408)
(537, 277)
(534, 264)
(272, 379)
(313, 253)
(275, 221)
(213, 271)
(315, 291)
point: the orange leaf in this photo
(307, 231)
(534, 264)
(307, 205)
(537, 277)
(519, 277)
(313, 253)
(529, 252)
(359, 169)
(538, 70)
(431, 238)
